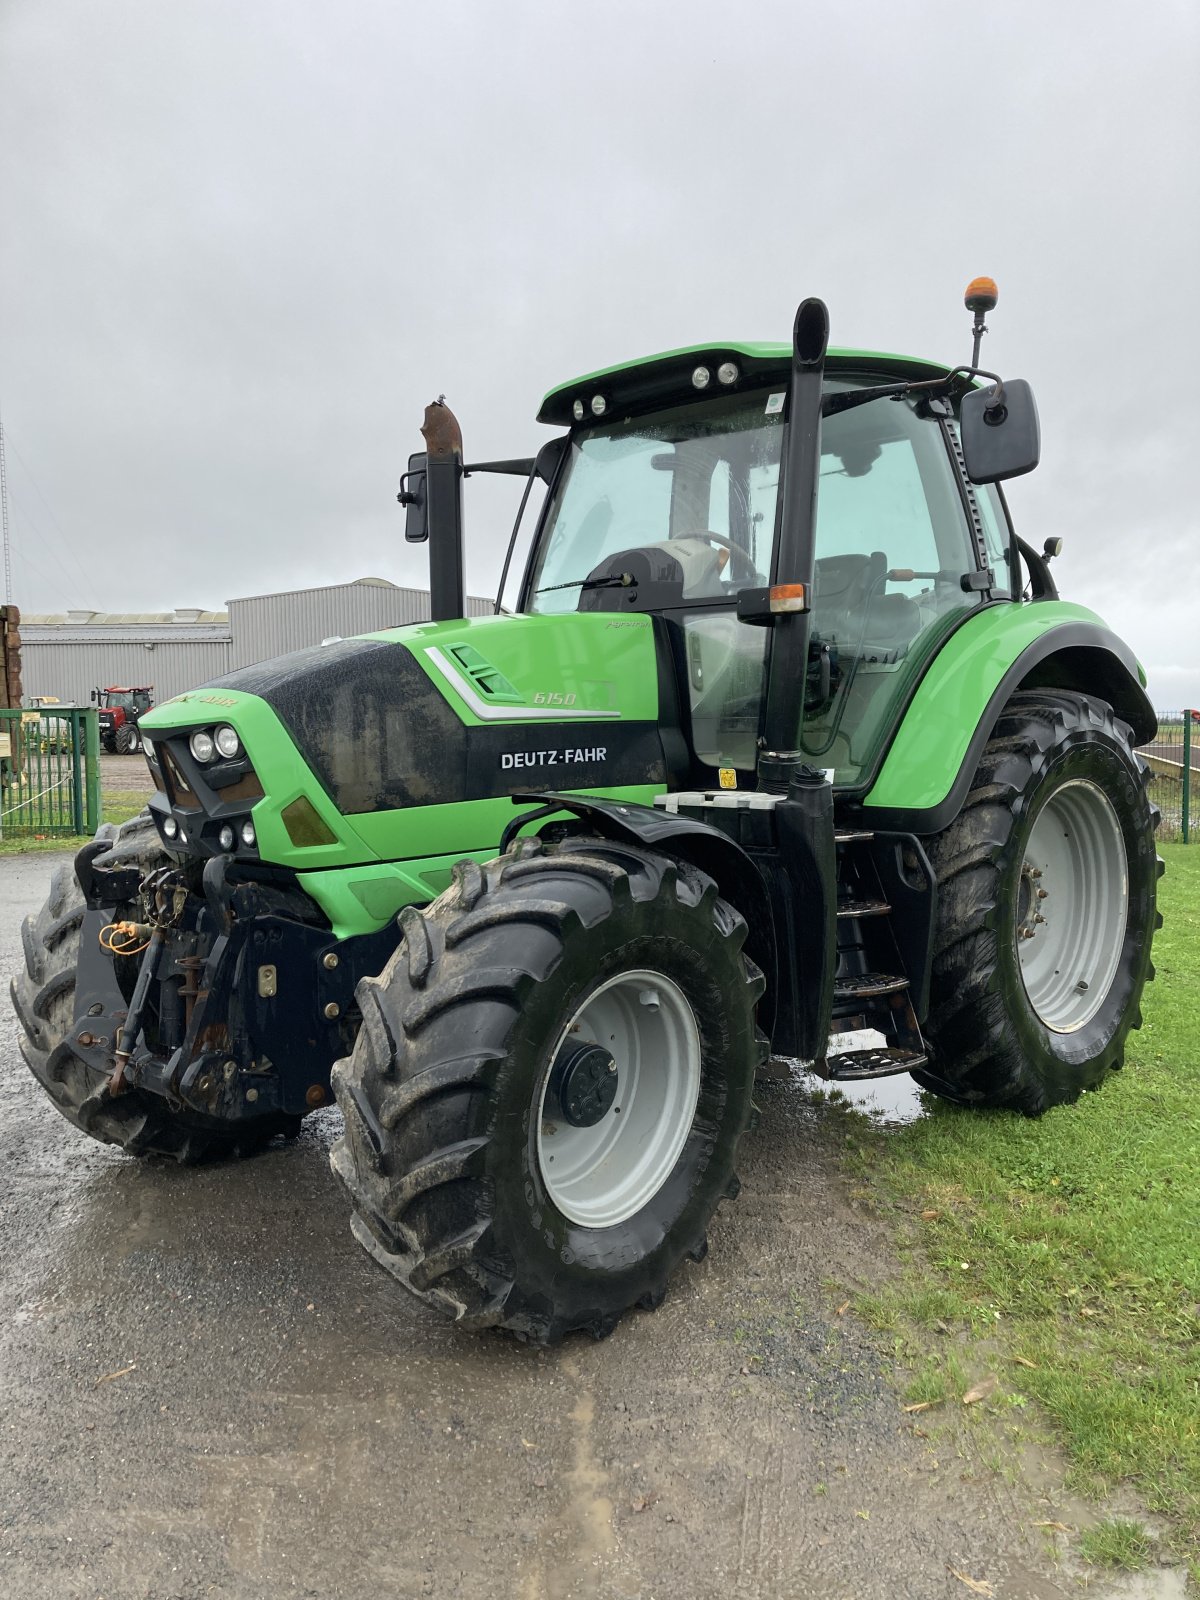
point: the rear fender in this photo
(937, 747)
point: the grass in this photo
(116, 806)
(1115, 1543)
(1064, 1253)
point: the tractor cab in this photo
(676, 510)
(120, 711)
(127, 700)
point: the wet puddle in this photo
(891, 1102)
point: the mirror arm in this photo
(521, 468)
(409, 497)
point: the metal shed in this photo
(69, 654)
(268, 625)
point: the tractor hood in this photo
(408, 743)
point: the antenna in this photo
(4, 519)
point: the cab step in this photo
(863, 908)
(855, 1066)
(851, 835)
(867, 986)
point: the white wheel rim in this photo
(601, 1175)
(1072, 905)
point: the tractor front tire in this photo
(1046, 909)
(544, 1103)
(128, 741)
(43, 995)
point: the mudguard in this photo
(685, 839)
(928, 768)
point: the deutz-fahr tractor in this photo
(121, 711)
(789, 739)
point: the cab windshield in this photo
(702, 476)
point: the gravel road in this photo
(207, 1389)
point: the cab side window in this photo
(996, 536)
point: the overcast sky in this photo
(242, 244)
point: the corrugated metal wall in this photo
(71, 667)
(70, 659)
(272, 624)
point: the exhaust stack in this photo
(793, 562)
(431, 492)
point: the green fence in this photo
(49, 773)
(1174, 759)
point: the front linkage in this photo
(223, 996)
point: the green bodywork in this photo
(929, 747)
(383, 860)
(548, 667)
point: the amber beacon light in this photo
(980, 298)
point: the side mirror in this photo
(1000, 438)
(412, 498)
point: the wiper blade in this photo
(847, 399)
(618, 580)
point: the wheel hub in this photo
(618, 1099)
(583, 1084)
(1031, 892)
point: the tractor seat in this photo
(850, 605)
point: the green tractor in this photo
(790, 739)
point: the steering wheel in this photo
(735, 551)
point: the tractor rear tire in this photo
(128, 741)
(1046, 909)
(458, 1094)
(43, 995)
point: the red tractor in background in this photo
(120, 710)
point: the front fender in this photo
(936, 749)
(686, 839)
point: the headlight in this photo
(201, 745)
(170, 827)
(249, 837)
(227, 837)
(227, 741)
(148, 747)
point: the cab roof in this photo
(659, 379)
